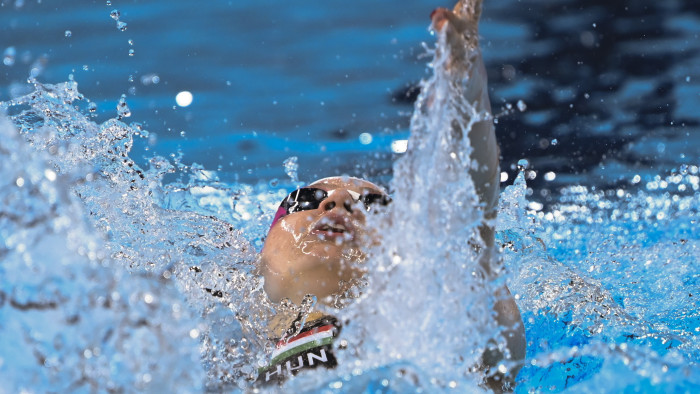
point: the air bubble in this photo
(115, 14)
(68, 33)
(131, 52)
(92, 107)
(121, 26)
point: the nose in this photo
(338, 198)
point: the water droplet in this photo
(555, 141)
(687, 78)
(92, 107)
(182, 133)
(523, 164)
(150, 79)
(68, 33)
(550, 176)
(50, 175)
(290, 167)
(521, 105)
(131, 52)
(109, 3)
(365, 138)
(122, 108)
(184, 98)
(274, 182)
(131, 42)
(115, 14)
(86, 67)
(121, 26)
(8, 57)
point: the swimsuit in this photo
(310, 348)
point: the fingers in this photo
(439, 17)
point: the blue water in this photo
(604, 270)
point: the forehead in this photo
(354, 184)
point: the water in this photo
(144, 266)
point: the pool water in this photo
(129, 236)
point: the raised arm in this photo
(464, 66)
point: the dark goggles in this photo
(308, 198)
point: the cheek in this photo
(295, 226)
(278, 245)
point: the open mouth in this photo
(334, 227)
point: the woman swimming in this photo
(314, 246)
(316, 243)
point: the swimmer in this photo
(314, 246)
(315, 243)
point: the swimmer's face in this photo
(318, 251)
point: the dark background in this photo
(611, 87)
